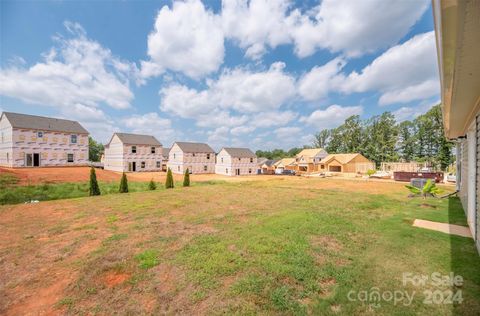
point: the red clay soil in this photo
(82, 174)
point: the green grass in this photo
(147, 259)
(10, 193)
(286, 247)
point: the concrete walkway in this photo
(444, 228)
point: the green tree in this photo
(94, 188)
(352, 134)
(320, 139)
(152, 185)
(123, 184)
(406, 140)
(335, 143)
(95, 150)
(380, 138)
(186, 178)
(169, 181)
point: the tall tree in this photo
(406, 140)
(320, 139)
(95, 150)
(352, 134)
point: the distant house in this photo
(458, 48)
(284, 164)
(37, 141)
(236, 162)
(260, 162)
(268, 166)
(346, 163)
(165, 152)
(133, 153)
(197, 157)
(308, 160)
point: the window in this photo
(226, 170)
(204, 168)
(251, 160)
(73, 139)
(134, 149)
(39, 134)
(322, 166)
(193, 154)
(239, 159)
(173, 156)
(208, 156)
(249, 170)
(142, 164)
(178, 168)
(2, 138)
(8, 157)
(159, 164)
(69, 157)
(152, 150)
(222, 159)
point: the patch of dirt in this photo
(336, 308)
(425, 205)
(326, 242)
(42, 302)
(327, 286)
(114, 278)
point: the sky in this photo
(260, 74)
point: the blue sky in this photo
(262, 74)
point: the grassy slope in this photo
(10, 193)
(258, 247)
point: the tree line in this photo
(382, 139)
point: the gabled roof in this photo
(188, 147)
(261, 160)
(239, 152)
(165, 151)
(43, 123)
(270, 162)
(285, 162)
(309, 153)
(341, 158)
(137, 139)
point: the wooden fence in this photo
(403, 166)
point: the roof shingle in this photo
(137, 139)
(240, 152)
(188, 147)
(43, 123)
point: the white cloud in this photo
(184, 101)
(241, 130)
(332, 116)
(409, 113)
(319, 81)
(401, 66)
(77, 71)
(150, 124)
(403, 73)
(420, 91)
(353, 27)
(255, 24)
(287, 132)
(239, 89)
(272, 118)
(187, 38)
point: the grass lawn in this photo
(11, 193)
(287, 246)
